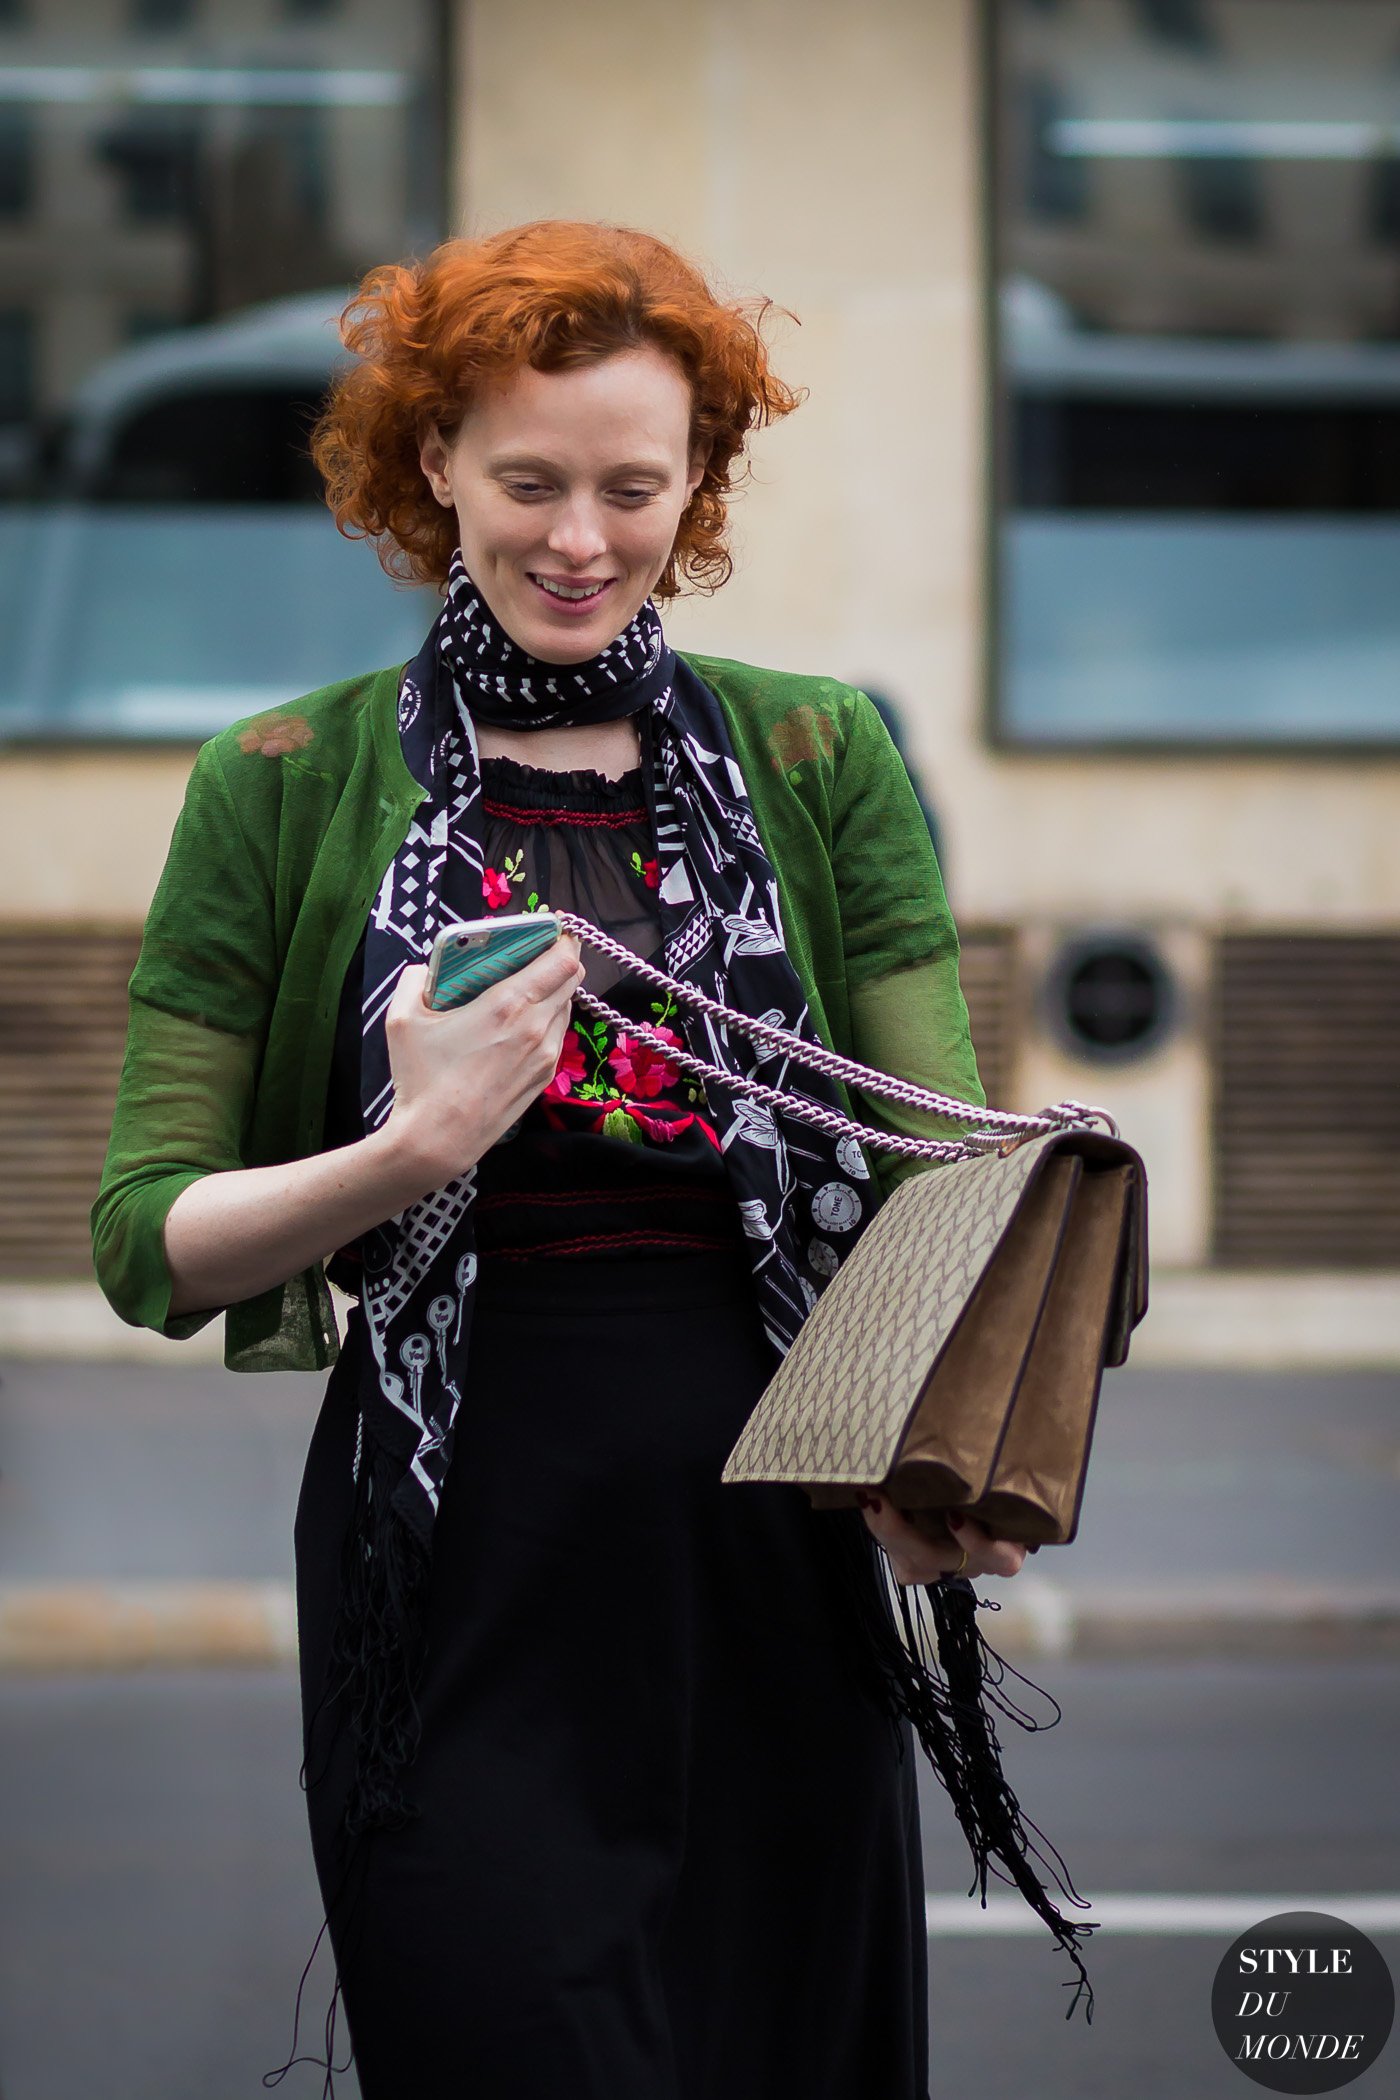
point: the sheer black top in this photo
(619, 1154)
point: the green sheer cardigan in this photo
(289, 821)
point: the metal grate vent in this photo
(62, 1028)
(63, 1025)
(1307, 1107)
(989, 981)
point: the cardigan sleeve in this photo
(908, 1014)
(199, 1002)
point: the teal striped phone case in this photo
(475, 953)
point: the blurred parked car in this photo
(170, 565)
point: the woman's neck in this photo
(609, 748)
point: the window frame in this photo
(997, 406)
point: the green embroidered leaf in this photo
(532, 902)
(617, 1123)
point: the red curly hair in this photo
(551, 295)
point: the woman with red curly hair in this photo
(607, 1765)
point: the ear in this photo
(699, 460)
(433, 459)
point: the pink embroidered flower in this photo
(569, 1070)
(662, 1125)
(495, 888)
(640, 1068)
(662, 1130)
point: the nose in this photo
(577, 534)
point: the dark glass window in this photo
(1054, 186)
(154, 157)
(1185, 23)
(1199, 373)
(16, 364)
(16, 159)
(162, 14)
(1383, 202)
(1221, 198)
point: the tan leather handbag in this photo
(954, 1359)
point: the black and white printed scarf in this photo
(802, 1195)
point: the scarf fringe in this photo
(949, 1699)
(376, 1649)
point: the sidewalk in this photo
(146, 1518)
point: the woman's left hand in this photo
(915, 1558)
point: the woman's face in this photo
(568, 488)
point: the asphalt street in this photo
(1199, 1478)
(158, 1903)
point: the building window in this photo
(16, 364)
(1198, 529)
(154, 159)
(162, 14)
(1185, 23)
(167, 335)
(16, 160)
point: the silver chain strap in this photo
(993, 1127)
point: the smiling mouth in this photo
(584, 593)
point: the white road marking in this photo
(962, 1917)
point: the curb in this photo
(1200, 1319)
(64, 1628)
(1251, 1618)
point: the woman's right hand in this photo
(462, 1078)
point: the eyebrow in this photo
(517, 462)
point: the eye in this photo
(637, 496)
(527, 491)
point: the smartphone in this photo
(474, 953)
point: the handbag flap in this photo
(838, 1403)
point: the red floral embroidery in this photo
(663, 1125)
(570, 1069)
(495, 888)
(639, 1067)
(650, 874)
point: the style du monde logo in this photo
(1303, 2003)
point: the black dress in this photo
(668, 1841)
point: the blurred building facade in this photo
(1098, 480)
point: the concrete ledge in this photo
(73, 1323)
(67, 1627)
(139, 1626)
(1040, 1618)
(1236, 1320)
(1200, 1319)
